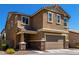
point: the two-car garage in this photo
(54, 42)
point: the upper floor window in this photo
(50, 17)
(65, 22)
(12, 24)
(58, 18)
(25, 20)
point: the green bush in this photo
(10, 51)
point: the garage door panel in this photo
(54, 42)
(51, 45)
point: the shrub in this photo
(10, 51)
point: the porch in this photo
(23, 39)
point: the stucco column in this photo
(66, 41)
(22, 37)
(22, 44)
(43, 44)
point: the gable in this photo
(57, 9)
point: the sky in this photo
(71, 9)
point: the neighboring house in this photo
(3, 34)
(0, 36)
(0, 40)
(73, 38)
(3, 42)
(46, 29)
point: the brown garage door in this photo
(54, 42)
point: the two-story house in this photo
(46, 29)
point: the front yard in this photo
(47, 52)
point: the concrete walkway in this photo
(47, 52)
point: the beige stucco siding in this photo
(37, 20)
(52, 25)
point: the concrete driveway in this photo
(47, 52)
(58, 52)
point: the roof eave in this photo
(49, 10)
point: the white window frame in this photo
(65, 27)
(25, 22)
(51, 17)
(57, 18)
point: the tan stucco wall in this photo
(37, 20)
(52, 25)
